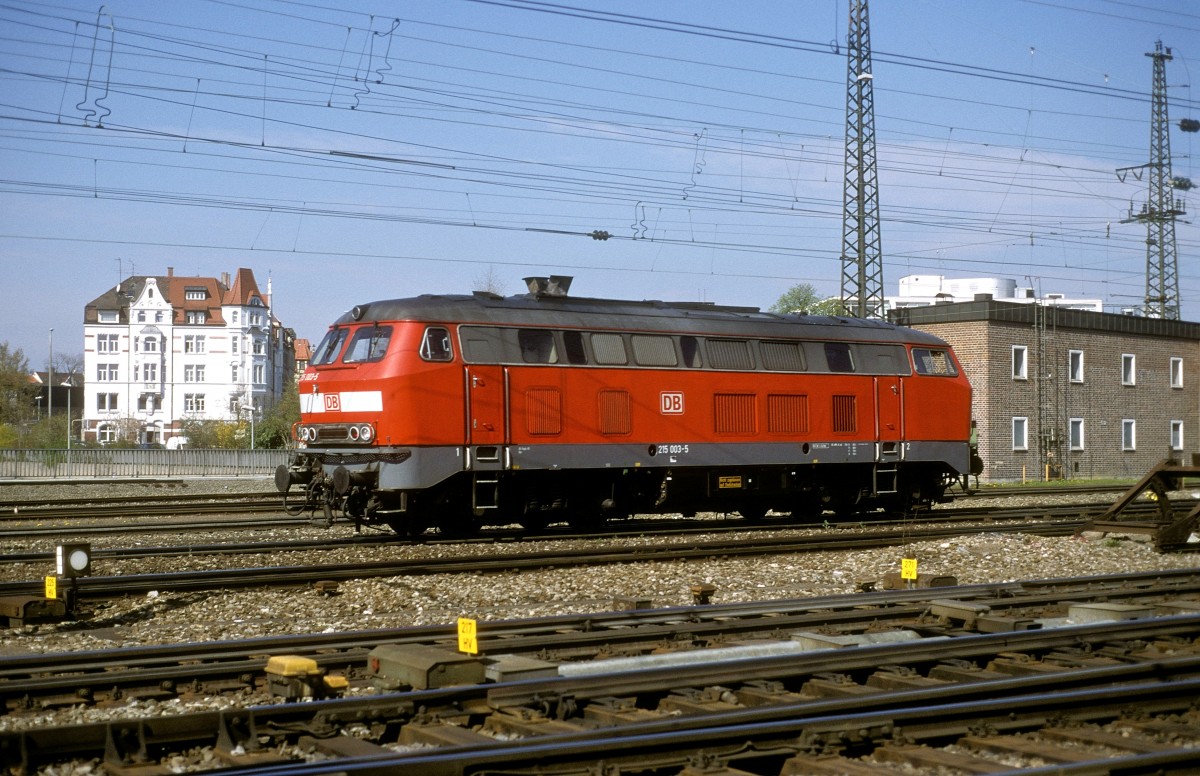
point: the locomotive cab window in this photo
(933, 362)
(435, 345)
(838, 356)
(368, 344)
(327, 352)
(537, 346)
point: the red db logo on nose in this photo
(671, 403)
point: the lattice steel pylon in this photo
(1161, 209)
(862, 252)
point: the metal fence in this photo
(90, 463)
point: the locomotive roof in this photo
(615, 314)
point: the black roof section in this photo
(699, 318)
(997, 311)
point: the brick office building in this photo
(1069, 393)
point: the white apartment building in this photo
(924, 290)
(160, 350)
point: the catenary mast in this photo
(862, 255)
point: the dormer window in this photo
(107, 316)
(196, 316)
(195, 293)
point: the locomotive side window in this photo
(730, 354)
(879, 359)
(837, 355)
(653, 350)
(782, 356)
(537, 346)
(690, 347)
(435, 345)
(573, 345)
(933, 362)
(481, 344)
(327, 351)
(368, 344)
(609, 349)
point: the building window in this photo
(193, 343)
(106, 373)
(106, 433)
(106, 343)
(195, 293)
(149, 373)
(256, 319)
(1128, 434)
(1076, 431)
(147, 402)
(141, 316)
(106, 402)
(1075, 366)
(158, 316)
(260, 346)
(1020, 362)
(1128, 369)
(150, 344)
(1020, 433)
(1176, 434)
(233, 377)
(193, 373)
(259, 374)
(234, 317)
(193, 402)
(107, 316)
(1176, 372)
(196, 316)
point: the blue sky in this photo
(368, 150)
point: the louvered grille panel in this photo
(787, 413)
(543, 411)
(845, 415)
(615, 412)
(734, 413)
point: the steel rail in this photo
(1091, 693)
(95, 587)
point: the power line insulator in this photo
(1189, 125)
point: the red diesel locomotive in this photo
(458, 411)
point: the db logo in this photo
(333, 402)
(670, 402)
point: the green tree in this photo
(16, 392)
(803, 297)
(275, 429)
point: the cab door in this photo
(888, 414)
(486, 406)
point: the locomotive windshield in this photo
(327, 351)
(368, 344)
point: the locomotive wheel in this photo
(752, 512)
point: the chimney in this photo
(225, 279)
(170, 272)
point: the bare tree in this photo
(489, 281)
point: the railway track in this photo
(942, 678)
(107, 587)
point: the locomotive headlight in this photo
(353, 433)
(302, 432)
(366, 433)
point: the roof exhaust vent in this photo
(555, 285)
